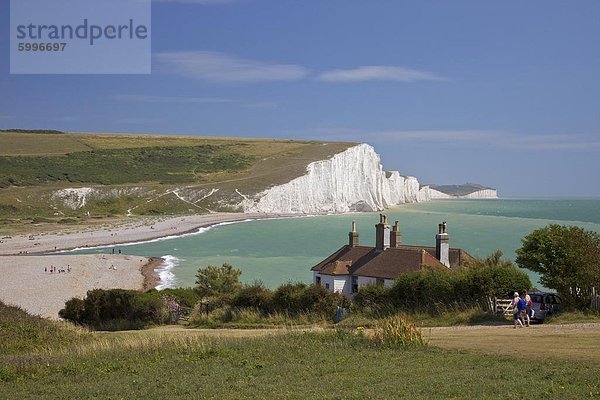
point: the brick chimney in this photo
(442, 245)
(353, 236)
(382, 233)
(395, 236)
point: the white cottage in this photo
(354, 266)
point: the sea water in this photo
(282, 250)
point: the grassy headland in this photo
(118, 175)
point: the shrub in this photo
(255, 295)
(116, 309)
(73, 310)
(223, 280)
(298, 298)
(375, 296)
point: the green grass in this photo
(283, 364)
(21, 332)
(573, 317)
(459, 190)
(120, 166)
(450, 317)
(292, 365)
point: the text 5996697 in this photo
(34, 46)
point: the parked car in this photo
(544, 305)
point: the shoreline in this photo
(148, 271)
(142, 230)
(23, 253)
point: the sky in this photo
(505, 94)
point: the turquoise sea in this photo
(281, 250)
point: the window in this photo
(380, 282)
(354, 284)
(318, 281)
(327, 286)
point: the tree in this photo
(567, 259)
(214, 281)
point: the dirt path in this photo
(571, 341)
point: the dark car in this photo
(544, 305)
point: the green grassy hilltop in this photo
(51, 360)
(124, 174)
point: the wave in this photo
(165, 273)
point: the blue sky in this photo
(500, 93)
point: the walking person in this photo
(516, 310)
(529, 308)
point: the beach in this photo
(27, 280)
(135, 230)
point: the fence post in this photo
(495, 305)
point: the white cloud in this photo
(218, 67)
(379, 73)
(142, 98)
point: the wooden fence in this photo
(595, 302)
(499, 306)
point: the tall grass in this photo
(396, 331)
(233, 317)
(21, 332)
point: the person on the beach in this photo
(516, 311)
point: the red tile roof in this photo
(387, 264)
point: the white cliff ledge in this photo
(353, 180)
(477, 194)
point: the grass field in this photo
(140, 174)
(224, 364)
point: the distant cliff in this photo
(353, 180)
(464, 191)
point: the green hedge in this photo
(428, 289)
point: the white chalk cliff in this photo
(353, 180)
(481, 194)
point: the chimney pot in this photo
(353, 236)
(395, 236)
(442, 245)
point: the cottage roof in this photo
(387, 264)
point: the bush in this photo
(375, 296)
(116, 309)
(435, 290)
(298, 298)
(73, 310)
(255, 296)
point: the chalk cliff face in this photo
(353, 180)
(481, 194)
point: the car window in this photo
(536, 298)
